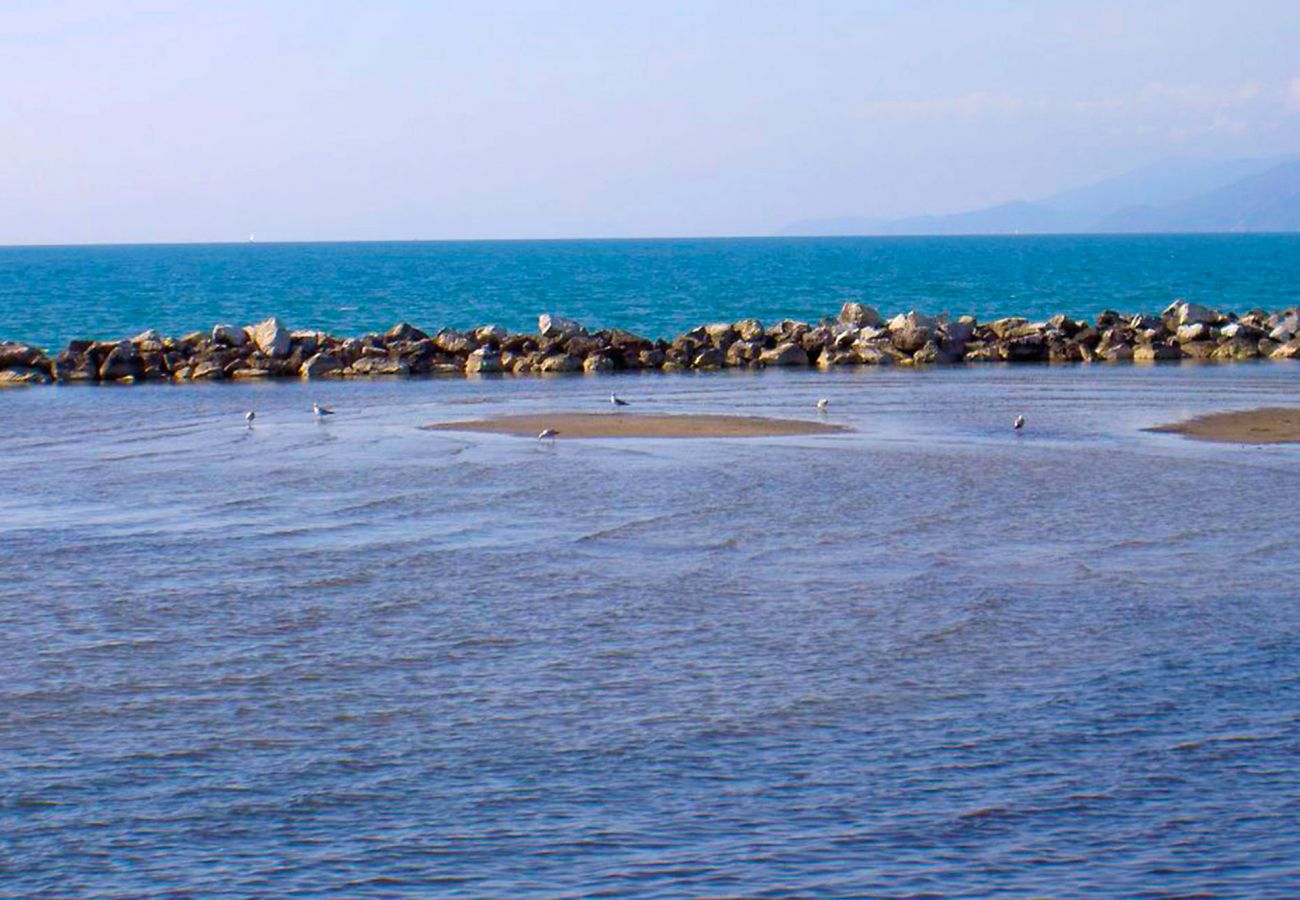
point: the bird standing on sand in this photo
(321, 411)
(1020, 422)
(249, 417)
(547, 433)
(823, 403)
(616, 400)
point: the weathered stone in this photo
(1180, 312)
(1024, 349)
(1241, 330)
(597, 363)
(859, 315)
(13, 375)
(651, 358)
(1198, 349)
(721, 334)
(787, 354)
(484, 361)
(561, 362)
(229, 335)
(557, 326)
(1195, 331)
(271, 337)
(319, 365)
(404, 331)
(490, 334)
(910, 331)
(1003, 328)
(1237, 348)
(709, 358)
(932, 353)
(379, 365)
(121, 362)
(1153, 352)
(454, 343)
(1289, 350)
(210, 369)
(16, 355)
(750, 330)
(1116, 353)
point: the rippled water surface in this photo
(657, 288)
(930, 657)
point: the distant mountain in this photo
(1269, 201)
(1174, 195)
(1008, 218)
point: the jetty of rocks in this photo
(857, 336)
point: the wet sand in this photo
(1252, 426)
(618, 425)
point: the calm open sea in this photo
(930, 657)
(657, 288)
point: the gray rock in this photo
(483, 361)
(859, 315)
(1183, 313)
(597, 363)
(787, 354)
(557, 326)
(229, 335)
(749, 330)
(22, 375)
(561, 362)
(1195, 331)
(319, 365)
(271, 337)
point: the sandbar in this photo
(644, 425)
(1269, 425)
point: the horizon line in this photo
(38, 245)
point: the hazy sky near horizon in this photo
(321, 120)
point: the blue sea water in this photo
(928, 657)
(657, 288)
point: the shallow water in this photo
(931, 657)
(657, 288)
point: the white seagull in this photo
(823, 403)
(249, 417)
(1020, 422)
(547, 433)
(616, 400)
(321, 411)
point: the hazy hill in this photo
(1174, 195)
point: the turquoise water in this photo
(657, 288)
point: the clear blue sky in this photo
(135, 121)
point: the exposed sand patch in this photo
(617, 425)
(1252, 426)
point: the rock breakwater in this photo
(857, 336)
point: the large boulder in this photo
(483, 361)
(557, 326)
(454, 342)
(22, 375)
(911, 330)
(787, 354)
(319, 365)
(597, 363)
(404, 331)
(859, 315)
(22, 355)
(1194, 331)
(229, 335)
(561, 362)
(750, 330)
(271, 337)
(121, 362)
(1180, 312)
(1289, 350)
